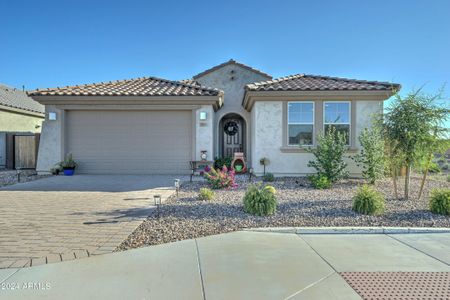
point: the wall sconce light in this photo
(52, 116)
(157, 199)
(177, 185)
(203, 115)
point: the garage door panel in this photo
(130, 142)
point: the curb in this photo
(350, 230)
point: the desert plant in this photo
(260, 201)
(413, 124)
(268, 177)
(371, 155)
(440, 201)
(329, 155)
(368, 201)
(319, 181)
(219, 179)
(219, 162)
(206, 194)
(68, 162)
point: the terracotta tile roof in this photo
(303, 82)
(191, 82)
(145, 86)
(15, 98)
(231, 61)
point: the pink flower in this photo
(207, 169)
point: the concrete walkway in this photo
(62, 218)
(240, 265)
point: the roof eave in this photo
(215, 101)
(251, 96)
(22, 111)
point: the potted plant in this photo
(68, 165)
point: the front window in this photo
(300, 123)
(337, 115)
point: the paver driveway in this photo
(62, 218)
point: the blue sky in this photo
(56, 43)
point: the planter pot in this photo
(68, 172)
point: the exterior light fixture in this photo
(177, 185)
(157, 199)
(203, 116)
(52, 116)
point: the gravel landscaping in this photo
(186, 217)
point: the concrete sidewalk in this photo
(239, 265)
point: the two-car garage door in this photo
(130, 142)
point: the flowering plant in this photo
(219, 179)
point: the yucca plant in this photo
(260, 201)
(368, 201)
(440, 201)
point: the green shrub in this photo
(368, 201)
(269, 177)
(206, 194)
(329, 155)
(260, 202)
(219, 162)
(319, 182)
(440, 201)
(371, 155)
(434, 168)
(448, 178)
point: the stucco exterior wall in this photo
(234, 93)
(204, 134)
(51, 143)
(16, 122)
(267, 139)
(365, 113)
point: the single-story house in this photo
(19, 114)
(156, 126)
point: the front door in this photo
(232, 137)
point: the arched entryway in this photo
(232, 128)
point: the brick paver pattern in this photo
(400, 285)
(38, 227)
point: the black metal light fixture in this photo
(250, 174)
(157, 199)
(177, 185)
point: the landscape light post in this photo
(177, 185)
(157, 199)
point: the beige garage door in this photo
(130, 142)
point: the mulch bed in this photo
(186, 217)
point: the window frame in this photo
(340, 123)
(312, 123)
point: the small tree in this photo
(371, 156)
(409, 123)
(434, 145)
(329, 155)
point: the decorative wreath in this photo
(231, 128)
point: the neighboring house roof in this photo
(303, 82)
(191, 82)
(14, 98)
(145, 86)
(231, 62)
